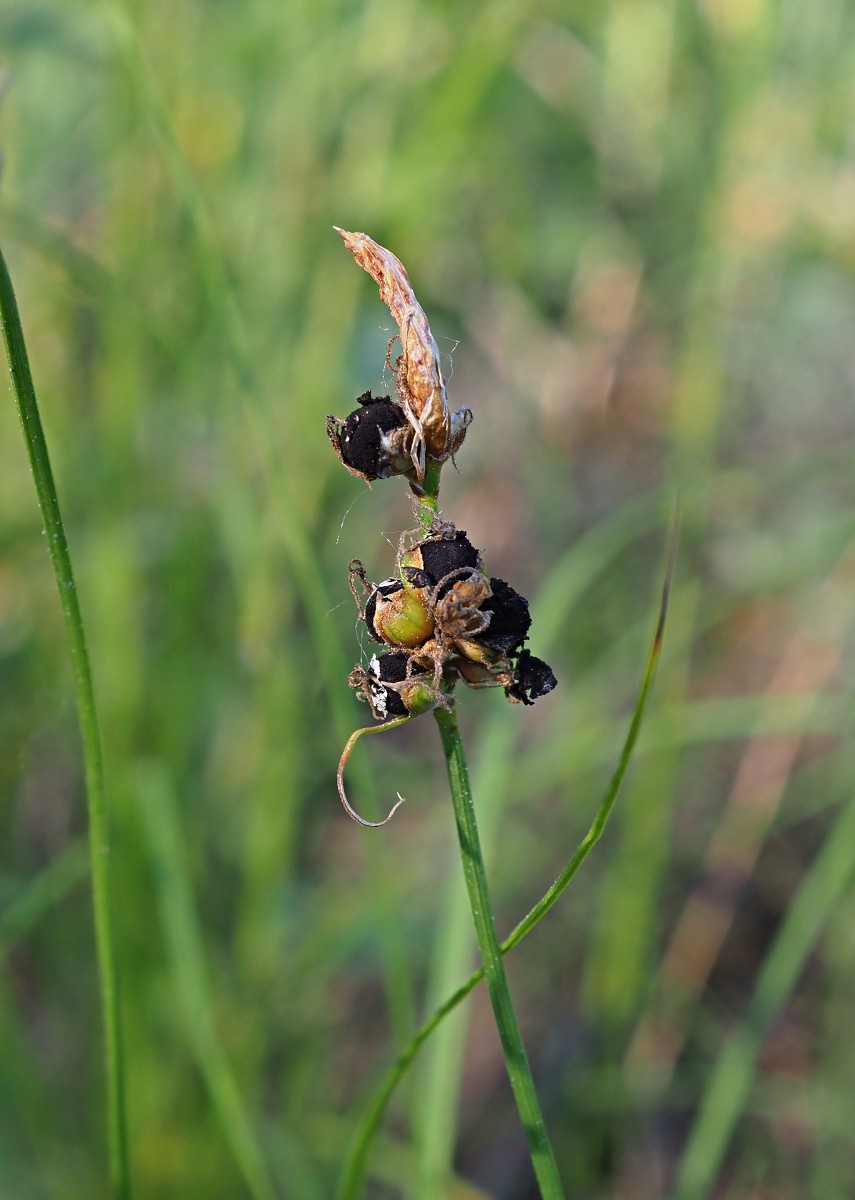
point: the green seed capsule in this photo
(398, 615)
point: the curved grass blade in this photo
(87, 714)
(352, 1178)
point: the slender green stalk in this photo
(99, 840)
(516, 1059)
(475, 875)
(428, 498)
(353, 1173)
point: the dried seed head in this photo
(375, 440)
(421, 386)
(531, 679)
(450, 621)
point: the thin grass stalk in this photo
(87, 714)
(437, 1089)
(516, 1059)
(352, 1179)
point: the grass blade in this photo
(96, 798)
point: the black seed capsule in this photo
(414, 695)
(532, 678)
(364, 442)
(388, 668)
(440, 556)
(509, 618)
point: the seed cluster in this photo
(445, 620)
(440, 618)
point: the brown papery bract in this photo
(421, 386)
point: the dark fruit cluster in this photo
(444, 620)
(440, 618)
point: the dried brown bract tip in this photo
(437, 433)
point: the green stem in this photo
(99, 841)
(516, 1060)
(428, 496)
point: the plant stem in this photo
(516, 1060)
(428, 498)
(99, 841)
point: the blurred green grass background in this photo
(632, 225)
